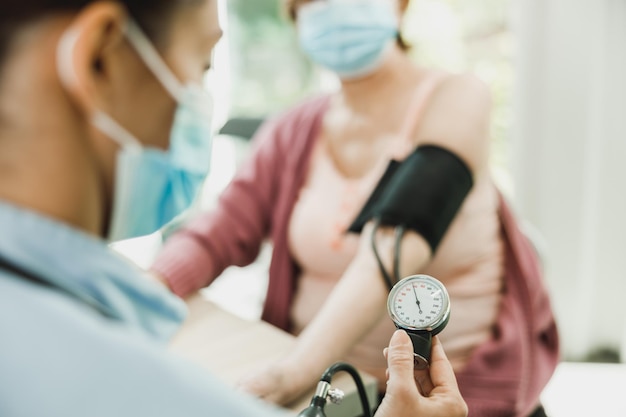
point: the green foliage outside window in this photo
(269, 72)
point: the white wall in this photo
(569, 159)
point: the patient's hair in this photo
(292, 6)
(151, 15)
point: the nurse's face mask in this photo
(152, 186)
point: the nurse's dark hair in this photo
(151, 15)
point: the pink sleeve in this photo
(232, 233)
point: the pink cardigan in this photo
(504, 377)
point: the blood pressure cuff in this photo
(422, 193)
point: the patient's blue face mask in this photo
(349, 37)
(153, 186)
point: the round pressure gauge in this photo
(420, 305)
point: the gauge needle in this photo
(417, 299)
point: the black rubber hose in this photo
(342, 366)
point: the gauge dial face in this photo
(419, 302)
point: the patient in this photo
(311, 173)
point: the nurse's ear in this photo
(93, 38)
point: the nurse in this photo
(94, 96)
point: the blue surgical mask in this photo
(152, 186)
(349, 37)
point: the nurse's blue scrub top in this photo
(91, 339)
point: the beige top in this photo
(469, 260)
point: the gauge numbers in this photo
(419, 302)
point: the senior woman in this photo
(94, 96)
(312, 172)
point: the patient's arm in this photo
(354, 307)
(359, 299)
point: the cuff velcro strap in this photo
(422, 193)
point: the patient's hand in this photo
(153, 276)
(279, 383)
(404, 398)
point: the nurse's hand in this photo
(404, 398)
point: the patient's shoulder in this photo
(458, 118)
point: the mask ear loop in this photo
(153, 60)
(107, 125)
(399, 233)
